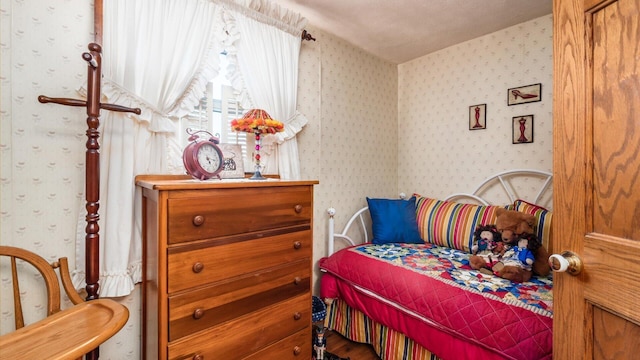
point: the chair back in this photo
(47, 270)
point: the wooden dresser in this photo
(226, 268)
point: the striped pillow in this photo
(451, 224)
(543, 216)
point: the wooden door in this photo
(597, 177)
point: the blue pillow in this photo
(394, 221)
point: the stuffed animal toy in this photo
(487, 248)
(320, 343)
(517, 261)
(523, 253)
(520, 261)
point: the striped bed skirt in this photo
(387, 343)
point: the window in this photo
(215, 111)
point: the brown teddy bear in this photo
(526, 254)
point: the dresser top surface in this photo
(183, 182)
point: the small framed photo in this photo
(522, 129)
(233, 166)
(524, 94)
(478, 117)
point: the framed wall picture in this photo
(478, 117)
(522, 129)
(524, 94)
(233, 166)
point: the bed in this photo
(420, 299)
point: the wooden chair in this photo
(48, 273)
(63, 334)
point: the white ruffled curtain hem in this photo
(294, 126)
(115, 284)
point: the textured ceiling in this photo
(402, 30)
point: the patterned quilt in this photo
(436, 284)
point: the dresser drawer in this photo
(217, 212)
(190, 268)
(296, 346)
(247, 334)
(196, 310)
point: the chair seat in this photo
(67, 334)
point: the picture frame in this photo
(524, 94)
(478, 117)
(233, 164)
(522, 129)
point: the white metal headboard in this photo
(501, 179)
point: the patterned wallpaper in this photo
(42, 148)
(438, 155)
(350, 98)
(375, 128)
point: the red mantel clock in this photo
(202, 159)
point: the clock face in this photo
(202, 159)
(208, 158)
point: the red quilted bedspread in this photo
(430, 293)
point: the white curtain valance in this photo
(267, 13)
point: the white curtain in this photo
(158, 56)
(266, 49)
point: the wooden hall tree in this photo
(92, 160)
(597, 143)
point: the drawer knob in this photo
(298, 208)
(198, 220)
(297, 280)
(297, 316)
(198, 357)
(197, 267)
(297, 245)
(297, 350)
(198, 313)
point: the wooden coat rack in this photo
(92, 174)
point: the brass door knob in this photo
(566, 262)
